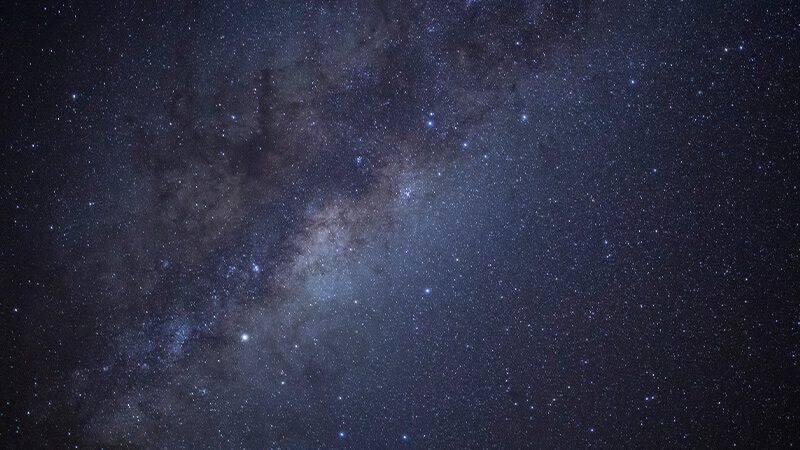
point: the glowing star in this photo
(429, 124)
(256, 268)
(342, 435)
(427, 291)
(523, 117)
(244, 337)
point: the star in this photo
(294, 180)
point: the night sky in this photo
(400, 224)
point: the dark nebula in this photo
(388, 224)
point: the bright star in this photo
(342, 434)
(244, 337)
(427, 291)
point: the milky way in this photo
(388, 224)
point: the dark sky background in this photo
(391, 224)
